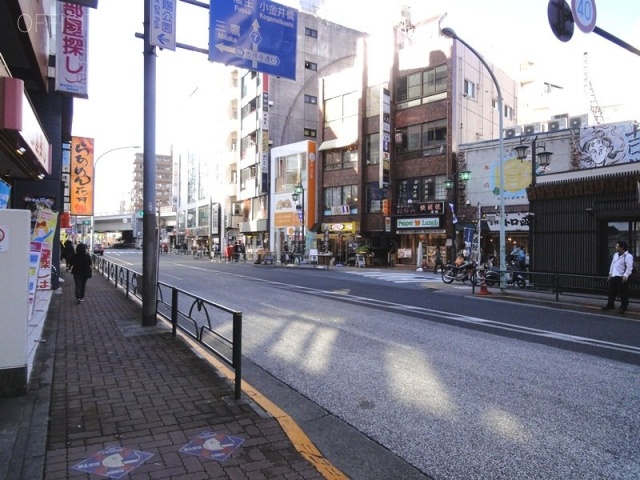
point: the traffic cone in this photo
(483, 284)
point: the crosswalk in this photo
(397, 277)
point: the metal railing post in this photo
(174, 311)
(237, 353)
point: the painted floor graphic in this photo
(216, 446)
(113, 462)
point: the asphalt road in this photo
(456, 386)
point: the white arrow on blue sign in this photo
(255, 35)
(163, 24)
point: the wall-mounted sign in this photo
(426, 222)
(385, 138)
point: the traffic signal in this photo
(386, 207)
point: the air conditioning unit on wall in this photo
(555, 125)
(511, 132)
(531, 128)
(579, 121)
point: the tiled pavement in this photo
(119, 389)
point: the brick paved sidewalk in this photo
(128, 389)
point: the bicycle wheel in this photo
(448, 276)
(521, 282)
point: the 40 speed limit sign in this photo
(584, 14)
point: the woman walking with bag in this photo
(81, 268)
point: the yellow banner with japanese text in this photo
(81, 182)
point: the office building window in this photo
(372, 149)
(469, 89)
(430, 137)
(340, 159)
(422, 84)
(311, 66)
(508, 112)
(309, 132)
(310, 32)
(311, 99)
(344, 195)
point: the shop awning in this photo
(338, 143)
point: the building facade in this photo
(277, 112)
(389, 137)
(570, 212)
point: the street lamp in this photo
(450, 33)
(544, 158)
(93, 211)
(298, 193)
(460, 179)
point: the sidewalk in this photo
(113, 398)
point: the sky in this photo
(505, 32)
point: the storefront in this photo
(340, 240)
(421, 239)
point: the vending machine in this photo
(15, 236)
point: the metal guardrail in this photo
(566, 284)
(200, 319)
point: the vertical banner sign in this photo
(385, 137)
(81, 188)
(310, 202)
(215, 219)
(163, 24)
(42, 241)
(72, 49)
(264, 164)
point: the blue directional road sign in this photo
(163, 24)
(254, 35)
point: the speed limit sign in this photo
(584, 14)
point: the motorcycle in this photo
(462, 273)
(512, 277)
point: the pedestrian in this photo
(67, 252)
(81, 268)
(285, 253)
(242, 251)
(619, 271)
(438, 261)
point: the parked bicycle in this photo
(463, 273)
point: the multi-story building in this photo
(383, 175)
(163, 186)
(163, 192)
(277, 111)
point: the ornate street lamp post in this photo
(298, 194)
(544, 159)
(460, 177)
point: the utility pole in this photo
(150, 240)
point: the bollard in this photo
(483, 283)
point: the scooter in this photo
(466, 271)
